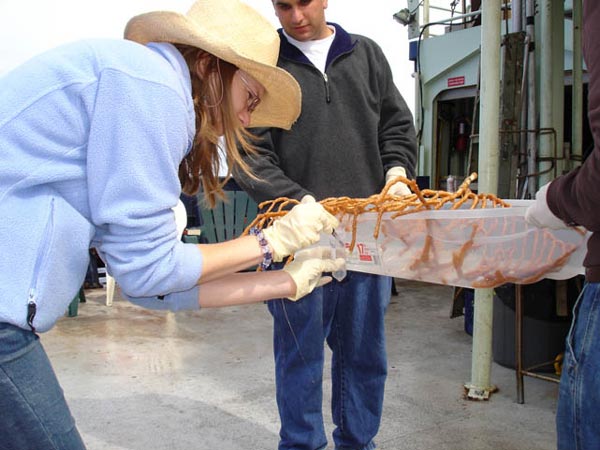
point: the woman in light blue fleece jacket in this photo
(97, 141)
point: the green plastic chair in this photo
(227, 220)
(73, 308)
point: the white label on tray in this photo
(364, 254)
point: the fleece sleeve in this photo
(397, 138)
(272, 182)
(139, 133)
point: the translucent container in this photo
(338, 250)
(476, 248)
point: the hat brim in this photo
(281, 102)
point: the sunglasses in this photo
(253, 98)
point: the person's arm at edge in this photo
(228, 257)
(246, 287)
(397, 136)
(307, 271)
(573, 197)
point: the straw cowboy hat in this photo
(236, 33)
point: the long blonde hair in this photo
(211, 82)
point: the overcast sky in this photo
(28, 27)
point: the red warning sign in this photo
(456, 81)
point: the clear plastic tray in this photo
(477, 248)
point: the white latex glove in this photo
(539, 214)
(299, 228)
(398, 188)
(308, 266)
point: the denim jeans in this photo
(349, 316)
(33, 411)
(578, 411)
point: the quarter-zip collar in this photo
(342, 43)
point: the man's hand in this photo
(299, 228)
(539, 214)
(398, 188)
(308, 266)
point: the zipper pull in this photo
(31, 309)
(327, 95)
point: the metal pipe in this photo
(426, 18)
(546, 82)
(440, 8)
(577, 88)
(539, 376)
(489, 117)
(531, 99)
(558, 87)
(519, 342)
(450, 19)
(522, 158)
(517, 15)
(489, 147)
(419, 118)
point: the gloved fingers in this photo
(330, 224)
(323, 281)
(395, 172)
(299, 228)
(332, 265)
(543, 218)
(399, 189)
(319, 252)
(531, 216)
(539, 213)
(307, 238)
(325, 222)
(326, 218)
(306, 271)
(541, 193)
(311, 213)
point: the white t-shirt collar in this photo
(316, 51)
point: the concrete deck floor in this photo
(145, 380)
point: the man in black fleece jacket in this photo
(354, 132)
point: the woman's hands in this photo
(299, 228)
(307, 267)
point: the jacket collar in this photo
(342, 43)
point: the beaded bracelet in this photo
(264, 247)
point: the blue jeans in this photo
(33, 411)
(578, 411)
(350, 316)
